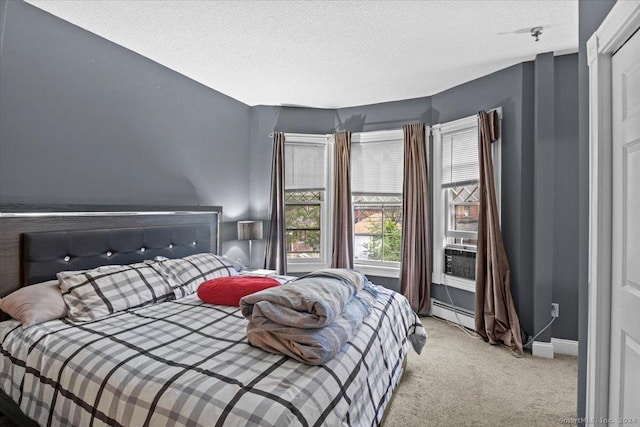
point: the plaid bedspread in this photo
(185, 362)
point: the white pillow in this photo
(35, 304)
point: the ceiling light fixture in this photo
(536, 32)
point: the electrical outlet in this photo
(555, 309)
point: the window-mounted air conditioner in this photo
(460, 262)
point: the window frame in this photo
(440, 208)
(304, 265)
(373, 267)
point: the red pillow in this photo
(229, 290)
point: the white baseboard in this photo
(562, 346)
(556, 346)
(542, 349)
(539, 349)
(447, 313)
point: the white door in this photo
(624, 380)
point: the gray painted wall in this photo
(501, 89)
(543, 195)
(590, 16)
(525, 218)
(454, 296)
(263, 122)
(387, 115)
(85, 121)
(566, 200)
(3, 15)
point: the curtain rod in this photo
(360, 131)
(498, 109)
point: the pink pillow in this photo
(35, 304)
(229, 290)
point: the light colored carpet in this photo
(464, 381)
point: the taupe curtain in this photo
(415, 271)
(496, 317)
(276, 255)
(342, 252)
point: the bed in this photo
(179, 361)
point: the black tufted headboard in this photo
(46, 253)
(35, 239)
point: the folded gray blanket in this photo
(312, 301)
(309, 319)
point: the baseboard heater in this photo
(445, 311)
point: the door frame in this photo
(619, 25)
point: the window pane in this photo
(302, 216)
(392, 235)
(466, 218)
(463, 203)
(377, 232)
(303, 244)
(367, 231)
(302, 222)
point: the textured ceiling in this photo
(328, 54)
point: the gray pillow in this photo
(35, 304)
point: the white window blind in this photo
(376, 167)
(304, 166)
(460, 157)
